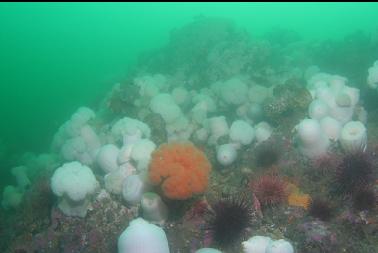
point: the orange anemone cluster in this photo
(181, 169)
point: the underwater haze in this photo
(57, 56)
(281, 95)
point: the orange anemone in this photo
(181, 169)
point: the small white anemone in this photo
(201, 134)
(130, 130)
(12, 197)
(263, 131)
(180, 95)
(226, 154)
(257, 94)
(242, 132)
(372, 78)
(318, 109)
(255, 111)
(337, 83)
(313, 141)
(331, 127)
(153, 208)
(280, 246)
(20, 173)
(353, 137)
(107, 158)
(165, 105)
(141, 153)
(256, 244)
(133, 188)
(234, 91)
(218, 127)
(208, 250)
(142, 237)
(114, 180)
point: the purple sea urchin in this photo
(354, 172)
(364, 199)
(270, 190)
(321, 209)
(267, 155)
(229, 219)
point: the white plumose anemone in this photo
(75, 140)
(12, 197)
(142, 237)
(313, 141)
(128, 130)
(256, 244)
(234, 91)
(226, 154)
(331, 127)
(165, 105)
(208, 250)
(353, 137)
(242, 132)
(332, 97)
(258, 93)
(218, 127)
(180, 95)
(201, 134)
(264, 244)
(141, 153)
(114, 180)
(153, 208)
(107, 158)
(74, 184)
(372, 78)
(20, 173)
(318, 109)
(263, 131)
(133, 188)
(280, 246)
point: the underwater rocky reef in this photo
(217, 142)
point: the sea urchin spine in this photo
(365, 199)
(354, 173)
(229, 219)
(321, 209)
(270, 190)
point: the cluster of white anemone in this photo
(264, 244)
(76, 140)
(13, 195)
(240, 133)
(125, 161)
(186, 113)
(335, 115)
(32, 164)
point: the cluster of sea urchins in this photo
(270, 189)
(229, 219)
(354, 173)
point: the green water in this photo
(58, 56)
